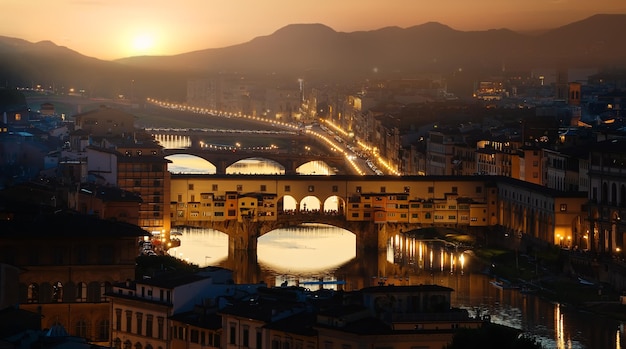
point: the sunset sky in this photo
(110, 29)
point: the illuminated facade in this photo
(464, 202)
(428, 201)
(605, 231)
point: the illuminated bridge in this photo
(222, 159)
(218, 148)
(373, 207)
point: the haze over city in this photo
(117, 29)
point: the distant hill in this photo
(306, 50)
(430, 47)
(23, 63)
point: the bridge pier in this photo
(243, 236)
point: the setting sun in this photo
(143, 44)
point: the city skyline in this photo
(116, 29)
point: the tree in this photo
(492, 336)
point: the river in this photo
(316, 256)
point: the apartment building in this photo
(65, 274)
(147, 313)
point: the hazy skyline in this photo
(111, 29)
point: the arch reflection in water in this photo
(307, 253)
(255, 166)
(201, 246)
(172, 141)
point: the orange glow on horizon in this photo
(116, 28)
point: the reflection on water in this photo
(173, 141)
(317, 256)
(201, 246)
(256, 166)
(311, 250)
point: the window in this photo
(246, 337)
(563, 207)
(407, 189)
(190, 187)
(214, 187)
(431, 190)
(232, 334)
(239, 187)
(81, 292)
(57, 292)
(358, 189)
(287, 188)
(259, 339)
(118, 319)
(383, 189)
(139, 323)
(479, 190)
(455, 189)
(149, 325)
(129, 320)
(311, 188)
(160, 321)
(263, 187)
(81, 328)
(335, 188)
(32, 293)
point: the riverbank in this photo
(544, 274)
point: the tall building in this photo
(68, 261)
(119, 155)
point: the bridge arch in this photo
(310, 203)
(189, 163)
(333, 204)
(289, 160)
(316, 167)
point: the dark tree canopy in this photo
(492, 336)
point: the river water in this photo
(321, 256)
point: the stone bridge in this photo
(222, 159)
(243, 235)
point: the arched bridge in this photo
(369, 236)
(222, 159)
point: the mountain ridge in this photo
(314, 48)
